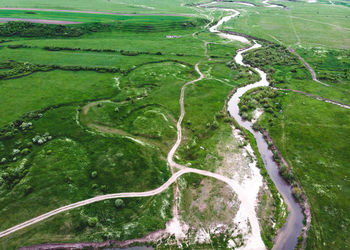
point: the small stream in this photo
(287, 236)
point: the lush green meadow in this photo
(94, 112)
(124, 6)
(303, 24)
(311, 135)
(131, 82)
(42, 90)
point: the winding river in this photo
(288, 235)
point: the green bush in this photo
(119, 203)
(244, 116)
(93, 174)
(92, 221)
(297, 193)
(27, 29)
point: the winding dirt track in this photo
(171, 153)
(159, 190)
(340, 104)
(313, 73)
(94, 12)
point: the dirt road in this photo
(171, 153)
(313, 73)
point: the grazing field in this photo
(303, 24)
(96, 115)
(138, 6)
(43, 90)
(94, 108)
(313, 137)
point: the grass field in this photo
(303, 24)
(44, 120)
(53, 153)
(133, 6)
(42, 90)
(312, 136)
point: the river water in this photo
(288, 235)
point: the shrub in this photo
(25, 125)
(27, 29)
(129, 53)
(276, 156)
(25, 151)
(214, 125)
(93, 174)
(244, 116)
(8, 135)
(92, 221)
(219, 115)
(16, 151)
(297, 193)
(28, 189)
(119, 203)
(38, 139)
(284, 172)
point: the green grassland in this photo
(288, 72)
(42, 90)
(45, 134)
(312, 135)
(87, 17)
(127, 6)
(52, 153)
(308, 25)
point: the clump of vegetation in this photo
(16, 69)
(27, 29)
(119, 203)
(298, 194)
(92, 221)
(263, 98)
(332, 66)
(42, 139)
(271, 54)
(93, 174)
